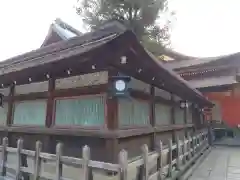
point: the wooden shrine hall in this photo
(61, 93)
(217, 78)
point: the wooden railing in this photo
(161, 164)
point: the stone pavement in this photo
(223, 163)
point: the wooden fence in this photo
(150, 165)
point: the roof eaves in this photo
(87, 38)
(67, 26)
(184, 84)
(60, 34)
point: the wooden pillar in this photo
(112, 150)
(111, 121)
(111, 105)
(193, 118)
(185, 119)
(10, 105)
(152, 106)
(112, 113)
(173, 120)
(152, 116)
(50, 103)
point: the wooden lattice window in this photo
(162, 114)
(133, 112)
(80, 111)
(30, 112)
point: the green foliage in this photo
(141, 16)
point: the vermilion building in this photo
(217, 78)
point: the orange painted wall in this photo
(230, 106)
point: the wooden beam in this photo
(30, 96)
(10, 106)
(146, 96)
(88, 90)
(50, 103)
(78, 91)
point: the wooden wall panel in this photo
(5, 91)
(179, 115)
(30, 112)
(72, 145)
(3, 114)
(189, 114)
(82, 80)
(31, 88)
(133, 144)
(180, 134)
(29, 140)
(164, 137)
(139, 85)
(162, 93)
(133, 112)
(162, 114)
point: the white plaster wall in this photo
(139, 85)
(162, 93)
(32, 88)
(82, 80)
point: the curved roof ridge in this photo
(197, 61)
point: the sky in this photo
(202, 28)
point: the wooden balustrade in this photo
(150, 165)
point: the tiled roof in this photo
(197, 62)
(63, 30)
(213, 81)
(40, 61)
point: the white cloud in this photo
(206, 27)
(203, 27)
(25, 23)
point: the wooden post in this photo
(185, 114)
(200, 137)
(59, 150)
(112, 104)
(189, 147)
(173, 120)
(112, 121)
(194, 144)
(50, 103)
(10, 105)
(123, 163)
(170, 158)
(4, 156)
(19, 159)
(159, 161)
(178, 153)
(37, 161)
(197, 140)
(87, 173)
(184, 150)
(205, 137)
(145, 162)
